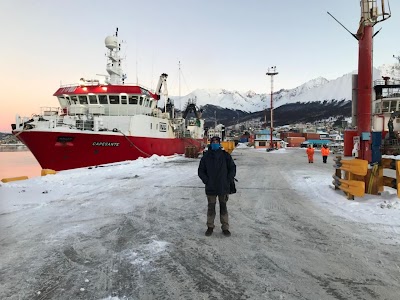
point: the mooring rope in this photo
(132, 144)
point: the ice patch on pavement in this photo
(146, 254)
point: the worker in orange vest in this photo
(310, 154)
(325, 152)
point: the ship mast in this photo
(179, 77)
(114, 60)
(370, 15)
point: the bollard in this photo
(47, 172)
(5, 180)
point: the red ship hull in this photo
(62, 151)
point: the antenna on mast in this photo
(179, 80)
(137, 78)
(355, 36)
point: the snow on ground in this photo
(85, 182)
(383, 209)
(79, 197)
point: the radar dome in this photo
(111, 42)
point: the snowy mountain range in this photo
(315, 90)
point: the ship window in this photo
(63, 101)
(114, 99)
(92, 99)
(141, 101)
(151, 125)
(83, 99)
(68, 100)
(103, 99)
(124, 100)
(147, 103)
(385, 106)
(377, 108)
(151, 103)
(74, 100)
(393, 105)
(133, 99)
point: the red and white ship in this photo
(111, 122)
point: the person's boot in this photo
(226, 232)
(209, 231)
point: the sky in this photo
(220, 44)
(56, 209)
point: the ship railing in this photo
(187, 134)
(183, 134)
(113, 110)
(50, 111)
(87, 83)
(69, 85)
(386, 82)
(388, 96)
(95, 83)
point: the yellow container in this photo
(14, 179)
(48, 172)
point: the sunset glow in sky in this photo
(221, 44)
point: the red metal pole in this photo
(365, 91)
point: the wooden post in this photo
(380, 179)
(350, 177)
(338, 172)
(398, 178)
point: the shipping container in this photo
(294, 134)
(284, 135)
(251, 139)
(295, 139)
(294, 145)
(311, 136)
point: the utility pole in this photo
(272, 72)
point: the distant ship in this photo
(100, 123)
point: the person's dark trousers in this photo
(223, 211)
(324, 158)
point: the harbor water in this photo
(16, 162)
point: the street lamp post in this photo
(272, 72)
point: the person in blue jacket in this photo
(217, 170)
